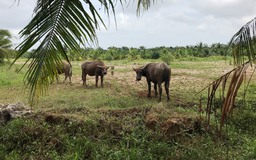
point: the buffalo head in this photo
(102, 70)
(139, 73)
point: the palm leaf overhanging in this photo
(59, 23)
(144, 4)
(242, 45)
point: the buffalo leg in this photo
(84, 77)
(160, 91)
(84, 80)
(67, 76)
(69, 79)
(166, 85)
(149, 89)
(84, 83)
(65, 79)
(96, 80)
(101, 81)
(155, 87)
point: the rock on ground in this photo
(13, 110)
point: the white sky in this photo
(167, 23)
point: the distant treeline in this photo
(164, 53)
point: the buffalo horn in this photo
(99, 66)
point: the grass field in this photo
(118, 121)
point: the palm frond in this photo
(211, 93)
(145, 4)
(228, 100)
(243, 43)
(236, 81)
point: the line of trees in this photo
(167, 54)
(114, 53)
(164, 53)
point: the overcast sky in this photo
(167, 23)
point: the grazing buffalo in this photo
(65, 68)
(95, 68)
(156, 73)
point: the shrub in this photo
(109, 57)
(167, 58)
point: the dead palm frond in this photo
(243, 43)
(211, 94)
(59, 23)
(234, 85)
(236, 76)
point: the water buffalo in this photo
(65, 68)
(156, 73)
(95, 68)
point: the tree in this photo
(5, 44)
(133, 53)
(59, 23)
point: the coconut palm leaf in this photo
(144, 4)
(243, 42)
(211, 94)
(243, 45)
(59, 23)
(237, 78)
(236, 81)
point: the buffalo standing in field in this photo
(95, 68)
(65, 68)
(156, 73)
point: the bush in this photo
(155, 55)
(109, 57)
(167, 58)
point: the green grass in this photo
(120, 122)
(10, 77)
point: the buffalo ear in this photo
(107, 67)
(134, 69)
